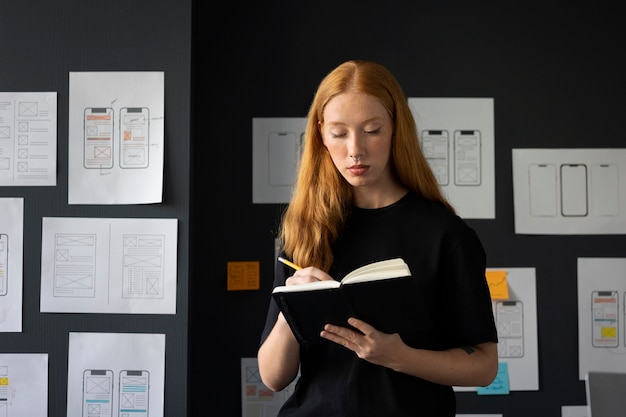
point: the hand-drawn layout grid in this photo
(143, 266)
(74, 265)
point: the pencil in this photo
(289, 263)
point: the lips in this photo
(358, 169)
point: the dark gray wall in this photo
(40, 43)
(557, 78)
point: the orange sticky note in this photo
(498, 287)
(243, 276)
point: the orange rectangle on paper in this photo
(498, 286)
(243, 276)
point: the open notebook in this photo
(606, 394)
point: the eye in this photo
(372, 131)
(337, 135)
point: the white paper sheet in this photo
(23, 384)
(116, 374)
(11, 261)
(523, 365)
(116, 139)
(28, 139)
(601, 315)
(257, 399)
(569, 191)
(99, 265)
(458, 137)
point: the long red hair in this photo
(321, 197)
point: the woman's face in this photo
(357, 132)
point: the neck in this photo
(367, 198)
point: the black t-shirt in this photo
(448, 263)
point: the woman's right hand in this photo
(306, 275)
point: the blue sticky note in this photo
(500, 384)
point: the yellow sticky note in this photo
(243, 276)
(498, 287)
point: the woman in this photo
(364, 193)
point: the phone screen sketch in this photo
(134, 137)
(573, 190)
(436, 148)
(542, 190)
(604, 190)
(134, 393)
(98, 138)
(284, 151)
(97, 393)
(4, 263)
(604, 319)
(510, 324)
(467, 157)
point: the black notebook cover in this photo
(391, 305)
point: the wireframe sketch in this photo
(134, 137)
(436, 149)
(510, 323)
(98, 138)
(143, 266)
(604, 190)
(97, 393)
(4, 264)
(467, 157)
(134, 390)
(569, 191)
(574, 190)
(542, 187)
(604, 319)
(74, 265)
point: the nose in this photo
(355, 147)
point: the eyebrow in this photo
(370, 120)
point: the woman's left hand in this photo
(371, 344)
